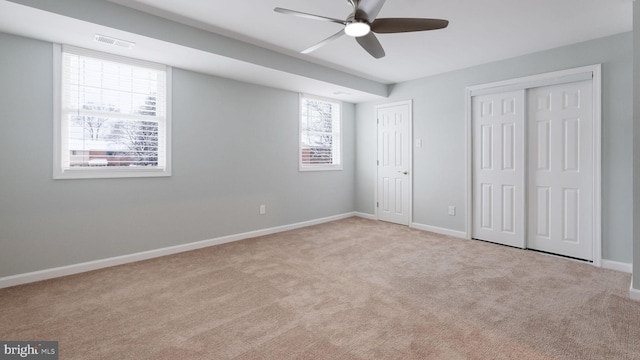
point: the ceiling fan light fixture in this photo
(357, 28)
(362, 24)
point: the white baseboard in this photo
(365, 215)
(145, 255)
(634, 293)
(439, 230)
(618, 266)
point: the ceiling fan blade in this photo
(370, 8)
(323, 42)
(371, 44)
(308, 16)
(399, 25)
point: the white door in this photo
(498, 122)
(561, 169)
(394, 162)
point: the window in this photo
(112, 116)
(320, 141)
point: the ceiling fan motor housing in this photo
(356, 27)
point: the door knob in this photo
(403, 172)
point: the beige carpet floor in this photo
(350, 289)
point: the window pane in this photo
(317, 155)
(319, 133)
(109, 84)
(315, 139)
(113, 115)
(97, 141)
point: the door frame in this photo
(410, 145)
(593, 72)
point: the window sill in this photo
(102, 173)
(321, 168)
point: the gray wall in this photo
(439, 120)
(234, 147)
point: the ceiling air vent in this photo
(113, 41)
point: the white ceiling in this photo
(479, 32)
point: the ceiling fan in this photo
(362, 24)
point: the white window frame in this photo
(164, 147)
(336, 133)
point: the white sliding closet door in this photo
(560, 170)
(499, 168)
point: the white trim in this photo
(168, 121)
(468, 129)
(365, 215)
(534, 81)
(617, 266)
(57, 110)
(145, 255)
(164, 148)
(375, 200)
(439, 230)
(597, 164)
(556, 77)
(634, 294)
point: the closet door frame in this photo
(591, 72)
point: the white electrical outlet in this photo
(452, 210)
(263, 209)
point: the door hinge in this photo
(377, 204)
(377, 162)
